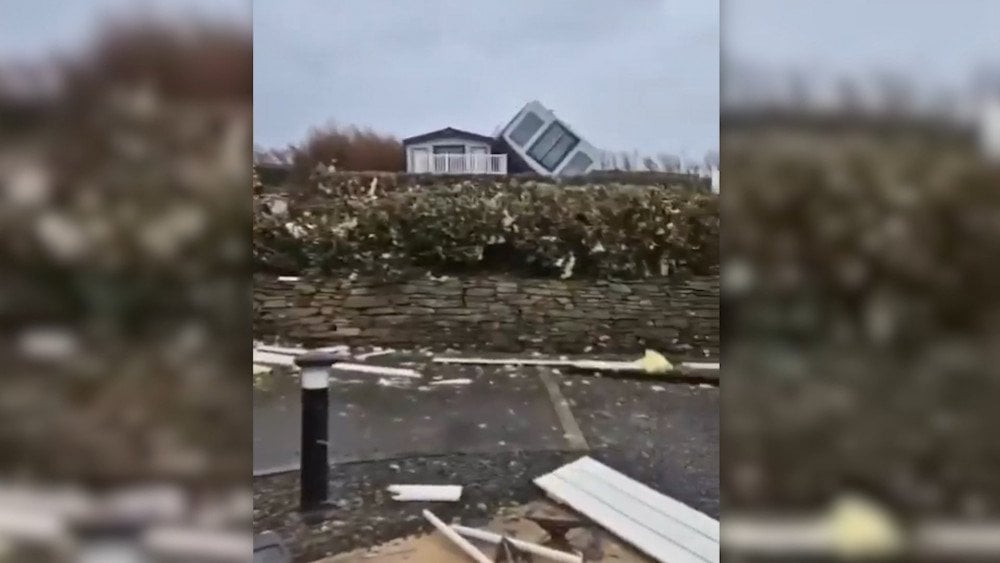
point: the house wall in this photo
(429, 146)
(548, 117)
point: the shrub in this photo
(349, 148)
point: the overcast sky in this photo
(35, 28)
(627, 74)
(635, 74)
(935, 42)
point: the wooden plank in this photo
(654, 523)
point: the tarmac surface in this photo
(665, 435)
(451, 409)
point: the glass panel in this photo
(554, 144)
(449, 149)
(558, 152)
(578, 164)
(545, 142)
(528, 126)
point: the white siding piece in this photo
(272, 358)
(708, 366)
(609, 365)
(702, 523)
(502, 361)
(458, 540)
(280, 349)
(377, 370)
(606, 365)
(654, 523)
(430, 493)
(275, 359)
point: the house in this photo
(535, 140)
(538, 141)
(453, 151)
(273, 166)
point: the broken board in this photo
(656, 524)
(697, 370)
(512, 522)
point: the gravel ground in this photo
(663, 435)
(366, 515)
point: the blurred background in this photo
(125, 140)
(860, 240)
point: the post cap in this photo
(317, 359)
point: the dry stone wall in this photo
(494, 313)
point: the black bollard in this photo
(315, 461)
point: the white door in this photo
(480, 160)
(420, 160)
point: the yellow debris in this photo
(861, 529)
(654, 362)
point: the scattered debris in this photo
(862, 529)
(49, 344)
(430, 493)
(280, 349)
(660, 526)
(273, 359)
(503, 361)
(394, 382)
(288, 278)
(374, 353)
(260, 369)
(586, 541)
(490, 537)
(701, 365)
(517, 524)
(459, 381)
(377, 370)
(278, 356)
(652, 363)
(458, 540)
(655, 362)
(268, 547)
(509, 553)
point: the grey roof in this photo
(273, 158)
(446, 133)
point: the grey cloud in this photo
(640, 74)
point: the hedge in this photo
(487, 224)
